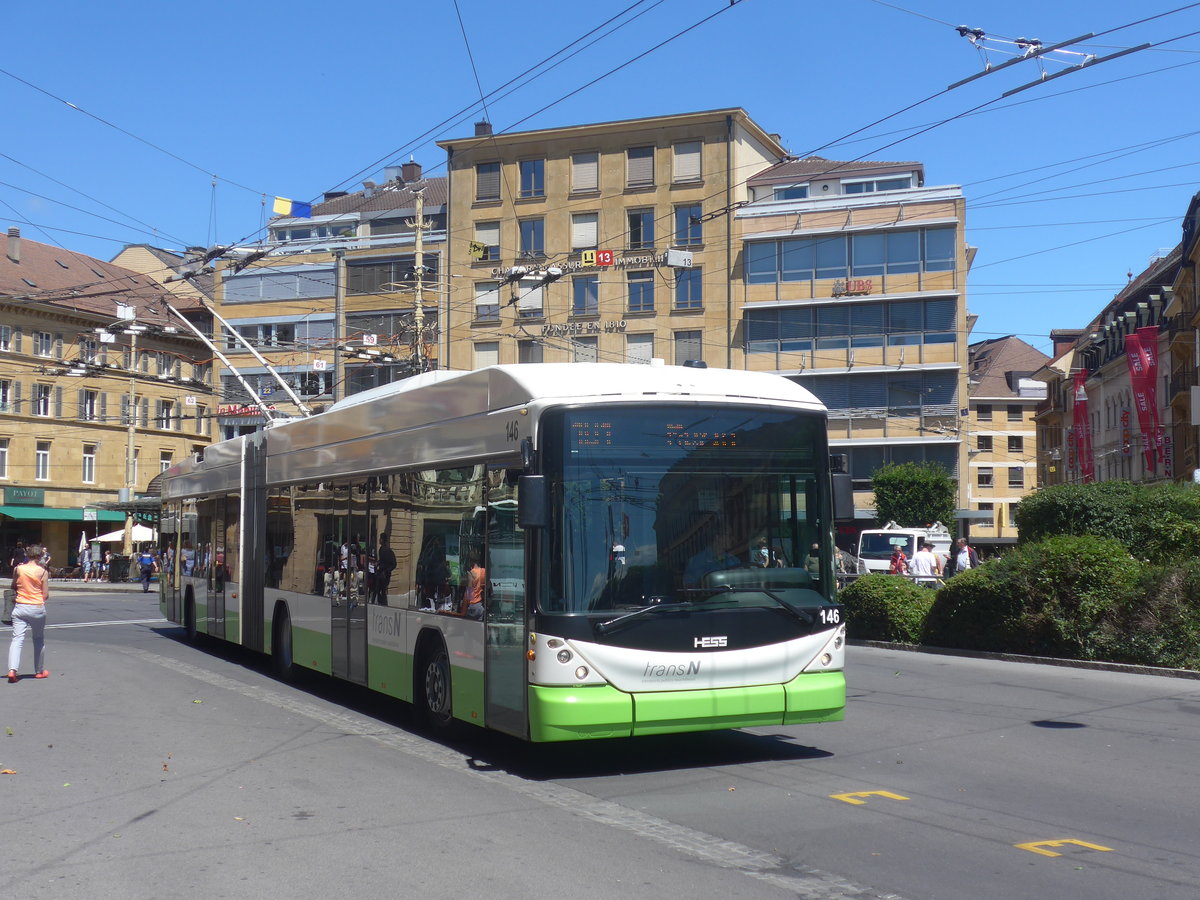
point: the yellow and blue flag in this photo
(294, 208)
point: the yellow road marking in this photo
(1036, 846)
(853, 798)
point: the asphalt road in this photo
(146, 767)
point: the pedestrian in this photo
(17, 557)
(148, 566)
(898, 565)
(105, 563)
(925, 565)
(31, 584)
(85, 564)
(963, 557)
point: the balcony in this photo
(1181, 382)
(331, 244)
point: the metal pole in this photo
(130, 434)
(339, 324)
(419, 266)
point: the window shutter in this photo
(585, 349)
(80, 411)
(145, 412)
(640, 165)
(103, 407)
(585, 172)
(17, 339)
(488, 234)
(487, 294)
(687, 161)
(530, 298)
(640, 348)
(16, 396)
(58, 346)
(125, 409)
(58, 392)
(584, 231)
(487, 181)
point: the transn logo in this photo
(710, 642)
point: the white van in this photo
(876, 545)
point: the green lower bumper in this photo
(578, 713)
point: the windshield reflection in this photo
(654, 503)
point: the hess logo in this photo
(709, 642)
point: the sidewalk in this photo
(78, 584)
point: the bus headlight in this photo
(581, 673)
(565, 656)
(826, 659)
(838, 641)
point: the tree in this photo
(914, 494)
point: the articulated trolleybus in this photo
(553, 551)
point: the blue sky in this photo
(1070, 185)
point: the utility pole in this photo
(127, 314)
(339, 324)
(419, 268)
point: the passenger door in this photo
(506, 630)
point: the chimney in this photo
(193, 254)
(393, 173)
(368, 189)
(411, 171)
(333, 195)
(14, 244)
(483, 129)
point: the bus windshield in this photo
(649, 502)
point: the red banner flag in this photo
(1149, 338)
(1141, 399)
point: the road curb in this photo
(1040, 660)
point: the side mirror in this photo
(533, 502)
(843, 498)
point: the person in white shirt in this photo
(924, 564)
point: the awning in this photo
(57, 514)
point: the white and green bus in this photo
(557, 552)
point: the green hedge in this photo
(1047, 599)
(1159, 522)
(1158, 625)
(885, 608)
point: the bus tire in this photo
(433, 689)
(282, 660)
(189, 618)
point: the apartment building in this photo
(330, 301)
(1000, 433)
(851, 279)
(609, 241)
(1182, 352)
(100, 390)
(1108, 411)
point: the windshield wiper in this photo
(613, 624)
(798, 614)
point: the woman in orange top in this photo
(31, 582)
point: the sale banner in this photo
(1141, 398)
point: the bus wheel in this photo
(281, 645)
(189, 618)
(434, 695)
